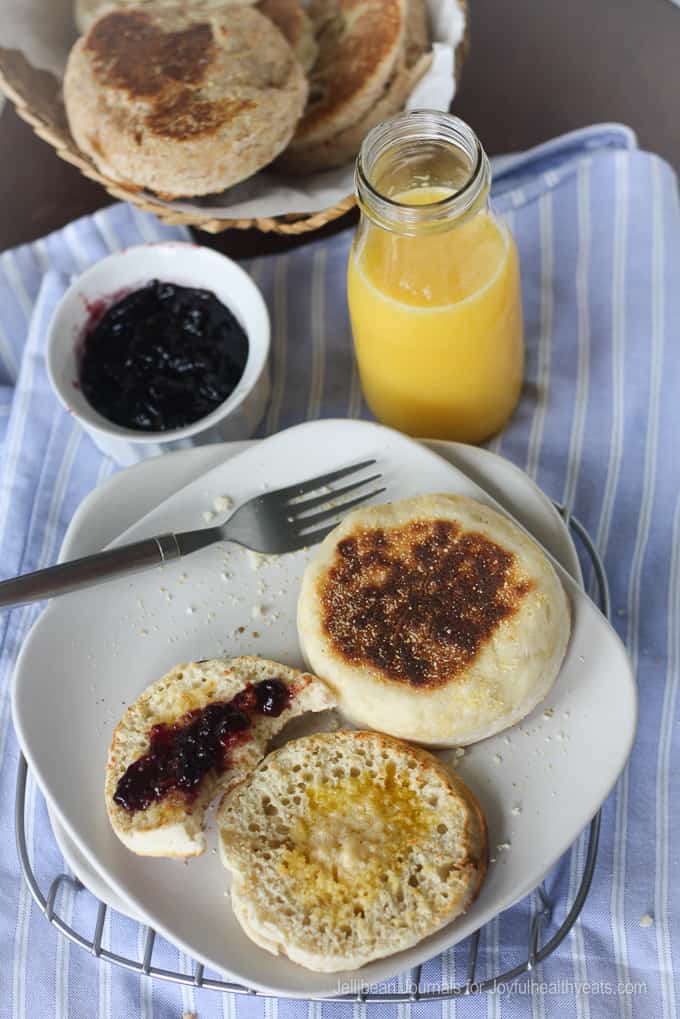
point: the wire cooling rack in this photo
(541, 944)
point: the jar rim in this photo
(439, 128)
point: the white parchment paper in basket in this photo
(44, 30)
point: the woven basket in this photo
(36, 95)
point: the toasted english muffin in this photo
(359, 45)
(344, 146)
(86, 12)
(413, 61)
(349, 846)
(183, 100)
(288, 16)
(435, 619)
(190, 736)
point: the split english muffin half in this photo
(435, 619)
(346, 847)
(192, 735)
(183, 100)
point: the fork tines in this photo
(331, 504)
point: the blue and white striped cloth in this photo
(598, 228)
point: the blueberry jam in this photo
(271, 696)
(180, 755)
(162, 357)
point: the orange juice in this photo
(437, 325)
(435, 307)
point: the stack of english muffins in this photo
(188, 99)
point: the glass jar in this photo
(433, 283)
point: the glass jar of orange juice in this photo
(433, 283)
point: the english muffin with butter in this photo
(183, 100)
(435, 619)
(349, 846)
(189, 737)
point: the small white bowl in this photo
(124, 271)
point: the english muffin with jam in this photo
(191, 736)
(435, 619)
(183, 100)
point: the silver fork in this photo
(273, 523)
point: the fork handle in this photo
(88, 571)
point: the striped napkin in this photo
(598, 228)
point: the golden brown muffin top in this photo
(169, 69)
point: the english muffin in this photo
(86, 12)
(288, 16)
(359, 45)
(189, 737)
(182, 100)
(435, 619)
(344, 146)
(346, 847)
(412, 62)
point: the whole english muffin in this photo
(436, 619)
(413, 61)
(183, 101)
(191, 736)
(349, 846)
(359, 44)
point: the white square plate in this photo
(92, 653)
